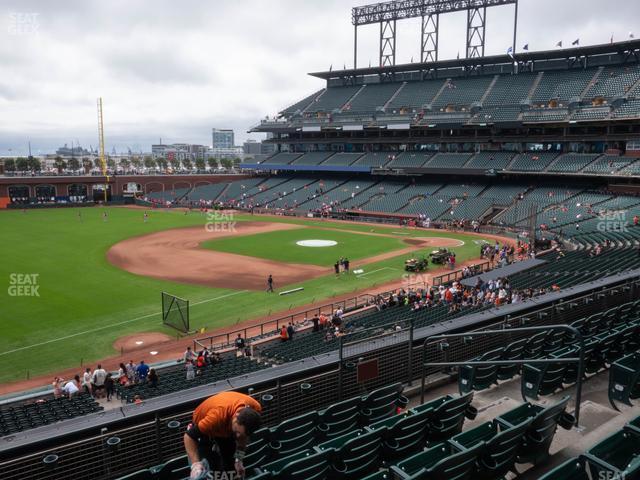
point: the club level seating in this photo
(19, 417)
(630, 109)
(414, 95)
(374, 159)
(463, 91)
(371, 97)
(408, 159)
(614, 82)
(608, 164)
(343, 159)
(532, 161)
(490, 115)
(312, 158)
(572, 162)
(545, 115)
(591, 114)
(490, 160)
(448, 160)
(173, 379)
(283, 158)
(562, 85)
(510, 89)
(333, 98)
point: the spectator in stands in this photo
(86, 381)
(153, 378)
(97, 380)
(142, 371)
(189, 355)
(316, 323)
(57, 387)
(290, 331)
(72, 386)
(284, 334)
(220, 432)
(240, 343)
(191, 371)
(122, 375)
(131, 372)
(109, 386)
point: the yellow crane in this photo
(103, 162)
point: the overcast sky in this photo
(175, 69)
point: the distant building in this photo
(72, 151)
(252, 148)
(222, 138)
(218, 153)
(179, 151)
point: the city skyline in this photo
(196, 66)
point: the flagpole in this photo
(515, 29)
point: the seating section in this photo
(532, 161)
(608, 164)
(614, 82)
(545, 115)
(448, 160)
(510, 89)
(463, 91)
(284, 158)
(630, 109)
(490, 160)
(617, 456)
(173, 379)
(562, 85)
(410, 160)
(19, 417)
(205, 192)
(312, 158)
(374, 159)
(301, 105)
(371, 98)
(415, 95)
(572, 162)
(332, 99)
(342, 159)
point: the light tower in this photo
(103, 163)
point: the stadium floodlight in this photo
(388, 13)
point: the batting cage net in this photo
(175, 312)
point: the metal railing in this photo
(476, 269)
(467, 336)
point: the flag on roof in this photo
(510, 52)
(526, 47)
(559, 44)
(631, 35)
(576, 42)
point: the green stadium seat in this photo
(513, 351)
(620, 452)
(579, 468)
(479, 377)
(382, 403)
(441, 462)
(356, 454)
(548, 378)
(305, 465)
(259, 449)
(404, 434)
(541, 430)
(294, 435)
(501, 445)
(339, 418)
(624, 380)
(447, 417)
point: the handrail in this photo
(542, 361)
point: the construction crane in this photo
(103, 162)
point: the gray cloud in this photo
(175, 69)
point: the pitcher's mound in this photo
(139, 341)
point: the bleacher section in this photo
(510, 89)
(312, 158)
(463, 91)
(562, 85)
(407, 159)
(414, 95)
(448, 160)
(614, 82)
(281, 158)
(332, 99)
(342, 159)
(371, 98)
(608, 164)
(572, 162)
(377, 159)
(206, 192)
(301, 105)
(489, 160)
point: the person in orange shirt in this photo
(220, 432)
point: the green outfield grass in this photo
(281, 246)
(85, 303)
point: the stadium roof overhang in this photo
(628, 48)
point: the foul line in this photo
(113, 325)
(374, 271)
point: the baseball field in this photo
(76, 281)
